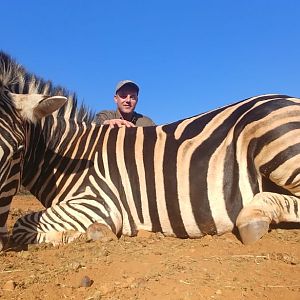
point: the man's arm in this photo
(108, 117)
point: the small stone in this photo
(75, 266)
(9, 285)
(86, 281)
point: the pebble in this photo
(76, 265)
(86, 281)
(9, 285)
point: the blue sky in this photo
(187, 56)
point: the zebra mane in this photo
(17, 79)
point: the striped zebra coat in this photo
(233, 167)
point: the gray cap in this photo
(125, 82)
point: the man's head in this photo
(124, 83)
(126, 97)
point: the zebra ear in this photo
(33, 107)
(48, 105)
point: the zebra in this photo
(234, 167)
(15, 111)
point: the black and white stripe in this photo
(186, 179)
(11, 153)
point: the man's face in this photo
(126, 99)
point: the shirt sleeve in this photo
(144, 121)
(149, 122)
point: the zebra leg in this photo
(254, 219)
(95, 232)
(4, 212)
(62, 224)
(4, 235)
(35, 228)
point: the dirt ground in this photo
(151, 266)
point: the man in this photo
(126, 98)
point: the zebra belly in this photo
(183, 223)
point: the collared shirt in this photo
(137, 119)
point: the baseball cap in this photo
(125, 82)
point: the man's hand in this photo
(118, 123)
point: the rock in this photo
(9, 285)
(86, 281)
(75, 265)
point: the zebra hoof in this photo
(100, 232)
(253, 231)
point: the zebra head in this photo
(17, 110)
